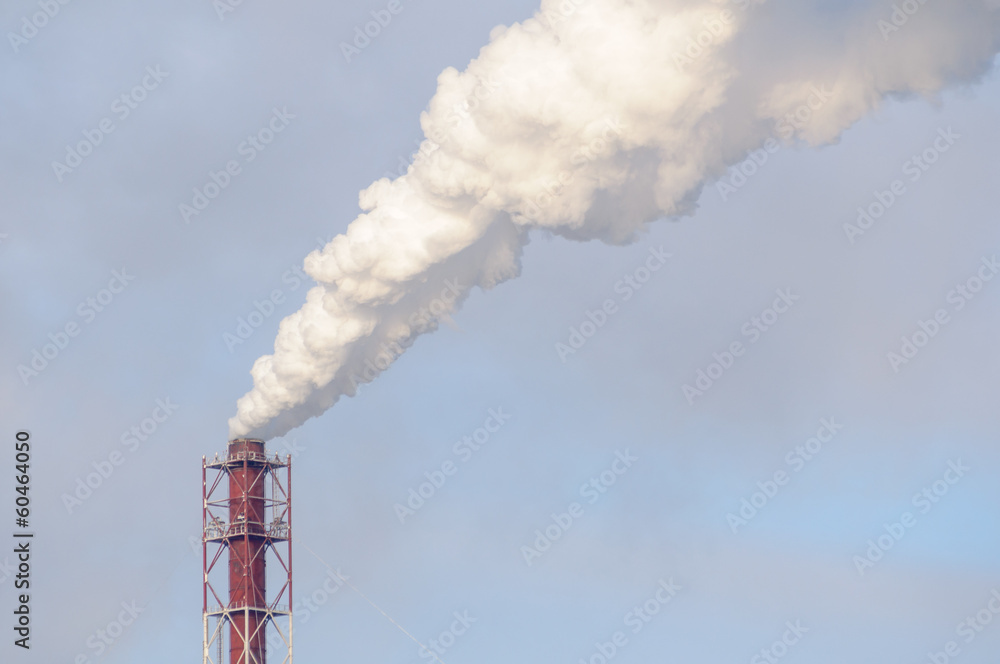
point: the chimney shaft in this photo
(247, 583)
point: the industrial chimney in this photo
(248, 524)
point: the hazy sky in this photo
(765, 262)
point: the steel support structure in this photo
(246, 518)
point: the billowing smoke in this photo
(590, 120)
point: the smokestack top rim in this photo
(238, 441)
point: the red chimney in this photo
(250, 523)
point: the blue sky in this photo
(665, 517)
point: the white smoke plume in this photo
(590, 120)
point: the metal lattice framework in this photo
(253, 518)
